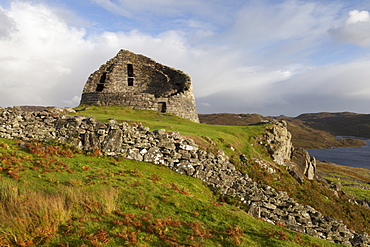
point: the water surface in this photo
(351, 156)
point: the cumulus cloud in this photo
(358, 16)
(356, 29)
(37, 56)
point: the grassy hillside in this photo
(208, 137)
(306, 137)
(237, 140)
(303, 136)
(54, 196)
(347, 176)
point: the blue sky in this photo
(252, 56)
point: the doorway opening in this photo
(99, 87)
(162, 107)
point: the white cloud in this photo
(39, 56)
(356, 29)
(75, 100)
(6, 25)
(358, 16)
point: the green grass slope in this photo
(55, 196)
(208, 137)
(303, 136)
(237, 140)
(346, 176)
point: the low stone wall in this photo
(145, 101)
(183, 156)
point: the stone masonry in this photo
(139, 82)
(182, 155)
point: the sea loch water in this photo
(352, 156)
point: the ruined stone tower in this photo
(139, 82)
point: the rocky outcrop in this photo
(278, 142)
(183, 156)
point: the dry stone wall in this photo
(183, 156)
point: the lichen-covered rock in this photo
(154, 155)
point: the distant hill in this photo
(306, 132)
(339, 124)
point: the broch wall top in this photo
(139, 82)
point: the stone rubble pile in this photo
(183, 156)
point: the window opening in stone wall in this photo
(99, 87)
(130, 70)
(130, 82)
(162, 107)
(103, 77)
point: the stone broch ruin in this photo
(139, 82)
